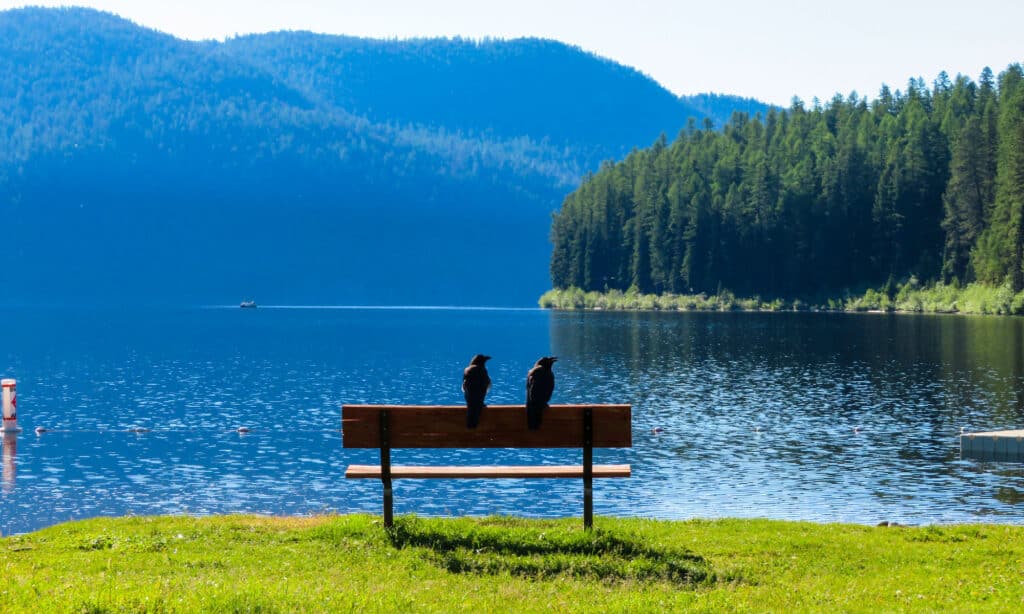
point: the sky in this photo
(769, 50)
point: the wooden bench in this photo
(501, 426)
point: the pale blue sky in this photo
(771, 50)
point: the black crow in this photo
(540, 383)
(475, 384)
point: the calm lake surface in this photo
(824, 417)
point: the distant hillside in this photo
(591, 107)
(296, 167)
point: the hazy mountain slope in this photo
(295, 167)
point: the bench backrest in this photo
(501, 426)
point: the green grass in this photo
(909, 297)
(350, 563)
(616, 300)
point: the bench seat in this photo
(489, 471)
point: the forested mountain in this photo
(588, 108)
(924, 183)
(296, 167)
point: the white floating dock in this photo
(993, 445)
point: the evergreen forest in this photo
(918, 186)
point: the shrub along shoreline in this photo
(909, 297)
(350, 563)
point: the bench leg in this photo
(588, 470)
(385, 468)
(388, 505)
(588, 507)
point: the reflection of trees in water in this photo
(985, 354)
(957, 368)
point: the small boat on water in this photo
(247, 305)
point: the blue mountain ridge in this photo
(299, 168)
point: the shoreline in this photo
(909, 298)
(874, 312)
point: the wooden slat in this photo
(501, 426)
(535, 471)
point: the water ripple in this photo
(799, 416)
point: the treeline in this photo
(923, 185)
(581, 106)
(77, 82)
(83, 91)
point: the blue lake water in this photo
(823, 417)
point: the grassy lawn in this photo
(349, 563)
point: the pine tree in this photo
(964, 201)
(999, 254)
